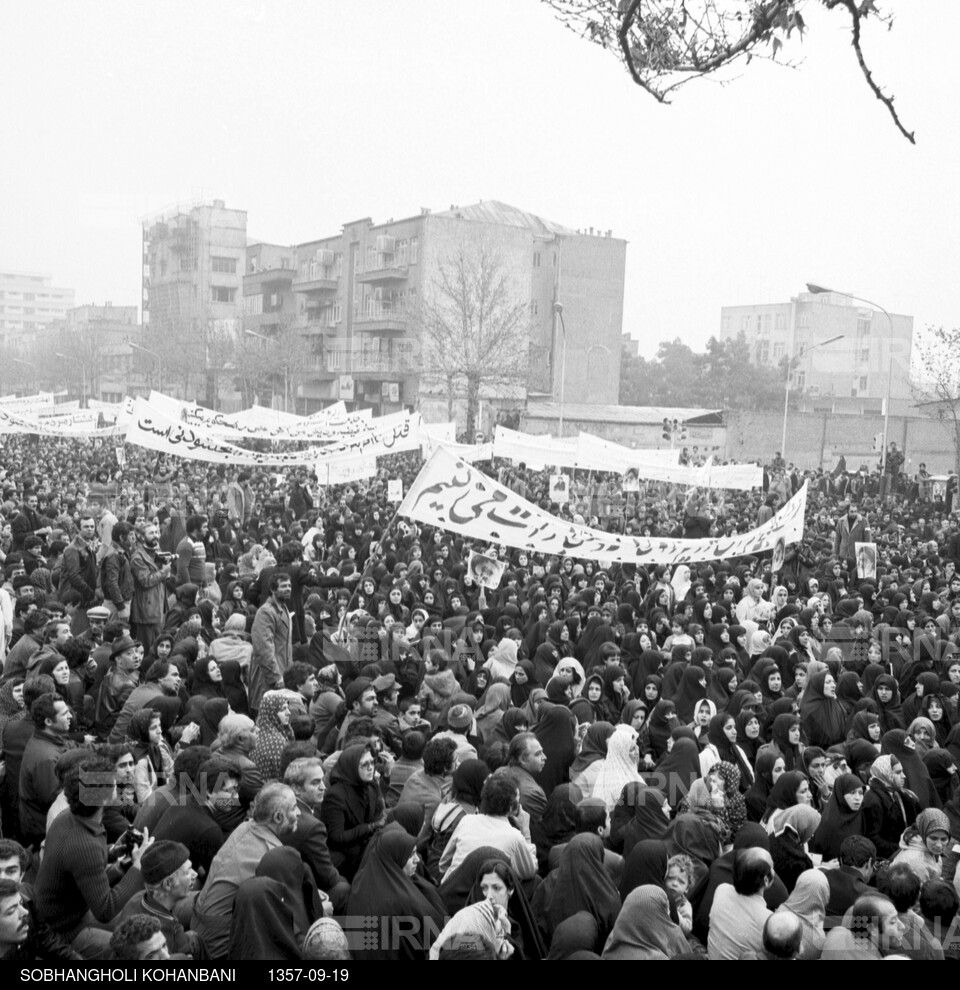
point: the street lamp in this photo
(83, 375)
(270, 340)
(786, 386)
(29, 364)
(558, 311)
(147, 350)
(819, 290)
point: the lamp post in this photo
(147, 350)
(270, 340)
(819, 290)
(558, 311)
(83, 376)
(29, 364)
(786, 386)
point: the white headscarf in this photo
(617, 769)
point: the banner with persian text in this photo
(455, 496)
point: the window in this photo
(863, 326)
(865, 354)
(402, 252)
(536, 259)
(221, 294)
(226, 266)
(338, 264)
(803, 320)
(766, 323)
(781, 321)
(414, 250)
(336, 312)
(801, 379)
(763, 352)
(863, 383)
(745, 324)
(778, 351)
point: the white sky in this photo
(310, 114)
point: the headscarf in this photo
(719, 692)
(942, 768)
(519, 693)
(466, 926)
(262, 922)
(576, 934)
(803, 819)
(678, 769)
(838, 821)
(214, 711)
(824, 719)
(784, 792)
(662, 721)
(618, 768)
(382, 889)
(468, 781)
(272, 735)
(508, 727)
(647, 820)
(285, 865)
(325, 932)
(646, 863)
(689, 693)
(559, 822)
(557, 732)
(525, 930)
(233, 688)
(493, 705)
(729, 752)
(593, 747)
(808, 900)
(202, 685)
(918, 779)
(409, 815)
(138, 738)
(860, 725)
(644, 930)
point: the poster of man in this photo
(559, 489)
(485, 571)
(631, 480)
(866, 560)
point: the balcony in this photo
(388, 273)
(382, 317)
(325, 328)
(344, 361)
(315, 278)
(268, 280)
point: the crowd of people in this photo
(246, 718)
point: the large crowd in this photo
(244, 717)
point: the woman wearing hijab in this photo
(808, 901)
(749, 734)
(722, 686)
(352, 808)
(899, 745)
(824, 720)
(534, 706)
(152, 756)
(888, 809)
(619, 767)
(586, 765)
(923, 734)
(644, 930)
(522, 681)
(646, 864)
(641, 670)
(549, 653)
(514, 720)
(769, 768)
(207, 679)
(785, 739)
(842, 817)
(935, 708)
(886, 693)
(386, 887)
(928, 683)
(942, 768)
(678, 769)
(286, 866)
(262, 925)
(233, 689)
(648, 811)
(580, 883)
(722, 746)
(795, 827)
(557, 732)
(865, 725)
(213, 713)
(575, 938)
(691, 690)
(663, 720)
(791, 788)
(495, 881)
(558, 824)
(503, 660)
(273, 733)
(493, 705)
(615, 693)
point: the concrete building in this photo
(29, 303)
(849, 375)
(356, 296)
(194, 258)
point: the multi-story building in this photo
(194, 258)
(356, 296)
(854, 373)
(29, 303)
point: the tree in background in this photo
(722, 377)
(474, 329)
(937, 384)
(666, 43)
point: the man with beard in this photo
(149, 578)
(272, 641)
(79, 571)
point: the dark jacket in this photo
(349, 827)
(116, 577)
(38, 779)
(192, 825)
(272, 650)
(310, 840)
(883, 822)
(149, 599)
(117, 686)
(79, 571)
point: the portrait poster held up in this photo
(866, 561)
(485, 571)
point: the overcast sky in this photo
(311, 114)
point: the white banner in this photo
(39, 401)
(454, 496)
(535, 451)
(254, 424)
(345, 471)
(152, 428)
(395, 490)
(79, 424)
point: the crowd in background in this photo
(242, 715)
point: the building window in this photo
(536, 259)
(778, 351)
(226, 266)
(336, 312)
(414, 250)
(781, 322)
(863, 326)
(766, 323)
(801, 379)
(803, 321)
(763, 351)
(865, 354)
(745, 324)
(338, 264)
(221, 294)
(863, 383)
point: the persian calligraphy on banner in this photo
(78, 424)
(453, 495)
(335, 425)
(150, 427)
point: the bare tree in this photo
(666, 43)
(937, 387)
(475, 330)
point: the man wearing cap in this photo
(33, 554)
(118, 683)
(92, 637)
(460, 721)
(168, 876)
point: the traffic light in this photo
(878, 442)
(683, 431)
(666, 429)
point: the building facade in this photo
(858, 371)
(356, 296)
(29, 303)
